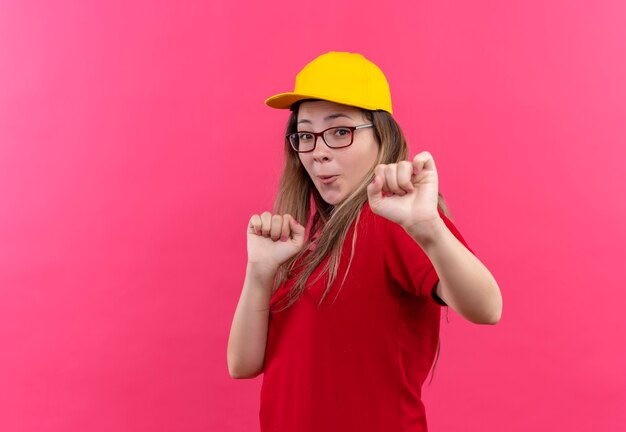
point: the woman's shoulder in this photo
(391, 230)
(370, 219)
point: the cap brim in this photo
(285, 100)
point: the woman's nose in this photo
(321, 150)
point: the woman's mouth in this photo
(327, 179)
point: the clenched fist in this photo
(273, 239)
(406, 193)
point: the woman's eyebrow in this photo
(334, 116)
(329, 117)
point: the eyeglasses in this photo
(334, 137)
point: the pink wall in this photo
(134, 145)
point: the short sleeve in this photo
(408, 264)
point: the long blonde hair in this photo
(297, 195)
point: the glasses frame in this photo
(321, 134)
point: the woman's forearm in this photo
(248, 333)
(465, 284)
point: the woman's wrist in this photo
(427, 232)
(261, 272)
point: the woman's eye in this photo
(342, 132)
(305, 136)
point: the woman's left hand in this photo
(406, 193)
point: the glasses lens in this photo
(302, 141)
(338, 137)
(293, 140)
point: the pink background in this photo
(134, 146)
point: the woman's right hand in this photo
(273, 239)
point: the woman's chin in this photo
(332, 198)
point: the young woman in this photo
(340, 307)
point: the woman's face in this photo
(337, 172)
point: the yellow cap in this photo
(341, 77)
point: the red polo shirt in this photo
(357, 364)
